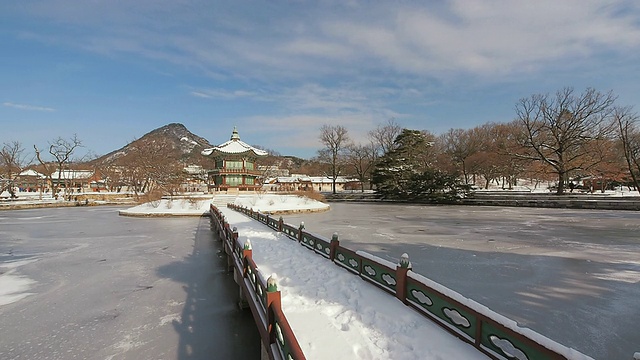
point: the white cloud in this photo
(28, 107)
(454, 38)
(222, 94)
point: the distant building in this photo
(30, 180)
(80, 180)
(299, 182)
(234, 165)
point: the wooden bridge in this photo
(490, 334)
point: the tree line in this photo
(564, 137)
(150, 166)
(556, 138)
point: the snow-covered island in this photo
(197, 206)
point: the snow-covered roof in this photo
(234, 146)
(72, 174)
(306, 178)
(31, 172)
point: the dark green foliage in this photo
(407, 172)
(435, 185)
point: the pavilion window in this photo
(234, 180)
(234, 164)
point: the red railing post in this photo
(247, 254)
(300, 229)
(401, 278)
(273, 301)
(333, 246)
(234, 237)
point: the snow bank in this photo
(175, 207)
(280, 203)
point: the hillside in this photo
(182, 142)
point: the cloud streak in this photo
(443, 40)
(28, 107)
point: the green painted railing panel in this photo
(308, 241)
(379, 274)
(504, 343)
(323, 248)
(283, 343)
(290, 231)
(348, 260)
(440, 307)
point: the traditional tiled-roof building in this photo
(234, 167)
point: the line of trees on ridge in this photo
(558, 138)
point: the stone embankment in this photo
(82, 199)
(520, 199)
(569, 201)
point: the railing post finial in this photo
(272, 283)
(404, 261)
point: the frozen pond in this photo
(572, 275)
(85, 283)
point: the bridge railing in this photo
(260, 294)
(491, 333)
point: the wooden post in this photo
(247, 254)
(280, 224)
(401, 277)
(273, 301)
(333, 246)
(300, 229)
(234, 237)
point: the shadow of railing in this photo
(211, 325)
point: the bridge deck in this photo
(335, 314)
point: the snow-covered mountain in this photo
(175, 135)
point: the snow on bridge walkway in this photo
(335, 314)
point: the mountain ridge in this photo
(185, 144)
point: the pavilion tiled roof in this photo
(234, 146)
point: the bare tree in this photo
(559, 129)
(61, 150)
(336, 141)
(629, 137)
(361, 159)
(12, 161)
(152, 166)
(383, 136)
(460, 145)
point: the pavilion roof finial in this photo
(234, 135)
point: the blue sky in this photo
(112, 71)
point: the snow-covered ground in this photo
(175, 207)
(280, 203)
(197, 206)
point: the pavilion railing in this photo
(491, 333)
(261, 296)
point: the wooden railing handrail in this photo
(276, 334)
